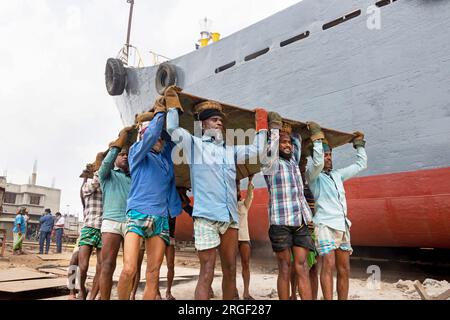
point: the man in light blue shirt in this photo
(213, 178)
(332, 226)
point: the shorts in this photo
(207, 232)
(110, 226)
(148, 226)
(285, 237)
(90, 237)
(329, 239)
(76, 248)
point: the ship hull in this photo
(392, 83)
(410, 209)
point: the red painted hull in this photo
(410, 209)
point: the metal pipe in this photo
(130, 18)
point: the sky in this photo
(54, 107)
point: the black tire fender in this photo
(115, 77)
(166, 76)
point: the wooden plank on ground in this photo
(181, 278)
(58, 256)
(55, 271)
(64, 297)
(424, 295)
(21, 274)
(30, 285)
(444, 295)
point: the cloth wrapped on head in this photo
(208, 109)
(124, 150)
(326, 146)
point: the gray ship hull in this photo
(392, 83)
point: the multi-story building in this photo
(31, 196)
(2, 191)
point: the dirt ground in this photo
(263, 278)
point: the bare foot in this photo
(249, 297)
(83, 295)
(169, 296)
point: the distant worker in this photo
(289, 213)
(45, 231)
(170, 260)
(170, 249)
(137, 278)
(186, 204)
(27, 219)
(313, 259)
(213, 175)
(59, 231)
(115, 180)
(19, 230)
(185, 201)
(152, 201)
(90, 234)
(72, 272)
(332, 226)
(244, 236)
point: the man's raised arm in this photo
(361, 161)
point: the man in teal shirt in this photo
(115, 181)
(332, 226)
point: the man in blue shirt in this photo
(152, 200)
(19, 230)
(332, 226)
(47, 223)
(213, 177)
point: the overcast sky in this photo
(53, 103)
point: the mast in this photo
(130, 18)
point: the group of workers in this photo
(48, 225)
(130, 197)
